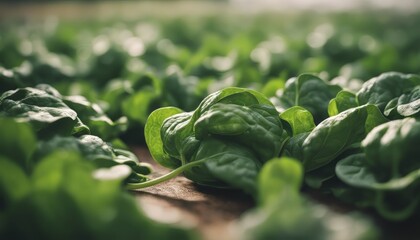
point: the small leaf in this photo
(153, 138)
(299, 119)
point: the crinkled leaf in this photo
(406, 105)
(45, 112)
(382, 89)
(231, 165)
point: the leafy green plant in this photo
(56, 191)
(388, 167)
(223, 143)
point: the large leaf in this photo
(353, 171)
(382, 89)
(335, 134)
(392, 148)
(47, 113)
(406, 105)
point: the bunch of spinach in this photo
(223, 143)
(227, 139)
(64, 195)
(55, 119)
(361, 143)
(386, 169)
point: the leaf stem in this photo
(170, 175)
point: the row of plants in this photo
(221, 102)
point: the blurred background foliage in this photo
(134, 56)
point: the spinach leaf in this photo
(343, 101)
(152, 131)
(293, 147)
(382, 89)
(309, 92)
(395, 199)
(47, 113)
(335, 134)
(94, 149)
(231, 165)
(300, 120)
(387, 168)
(94, 117)
(391, 148)
(353, 171)
(406, 105)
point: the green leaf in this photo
(335, 134)
(153, 138)
(45, 112)
(382, 89)
(256, 127)
(67, 202)
(299, 119)
(309, 92)
(392, 148)
(395, 199)
(354, 171)
(277, 177)
(293, 147)
(94, 117)
(406, 105)
(343, 101)
(231, 165)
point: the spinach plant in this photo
(388, 167)
(64, 194)
(223, 143)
